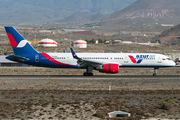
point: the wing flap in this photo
(85, 63)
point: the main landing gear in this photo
(88, 71)
(155, 71)
(87, 74)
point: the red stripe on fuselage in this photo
(12, 40)
(53, 60)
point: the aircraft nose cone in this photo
(173, 63)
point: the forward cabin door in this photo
(126, 59)
(159, 59)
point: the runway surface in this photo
(83, 77)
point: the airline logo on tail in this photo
(22, 43)
(19, 45)
(13, 42)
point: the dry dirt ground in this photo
(58, 71)
(86, 98)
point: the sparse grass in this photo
(167, 104)
(125, 109)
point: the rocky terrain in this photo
(149, 8)
(171, 35)
(144, 14)
(45, 11)
(88, 98)
(66, 71)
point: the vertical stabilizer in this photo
(19, 45)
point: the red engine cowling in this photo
(110, 68)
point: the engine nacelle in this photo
(110, 68)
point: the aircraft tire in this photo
(88, 74)
(85, 74)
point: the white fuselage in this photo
(123, 59)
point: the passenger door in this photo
(36, 58)
(159, 60)
(125, 59)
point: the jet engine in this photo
(109, 68)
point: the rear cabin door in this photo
(67, 58)
(36, 58)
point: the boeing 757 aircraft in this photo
(103, 62)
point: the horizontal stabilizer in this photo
(14, 57)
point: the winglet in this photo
(73, 54)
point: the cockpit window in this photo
(168, 59)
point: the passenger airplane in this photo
(103, 62)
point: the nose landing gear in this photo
(155, 71)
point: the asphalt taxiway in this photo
(83, 77)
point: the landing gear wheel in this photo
(85, 74)
(88, 74)
(88, 71)
(155, 71)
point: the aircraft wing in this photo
(83, 62)
(15, 57)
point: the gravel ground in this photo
(87, 99)
(58, 71)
